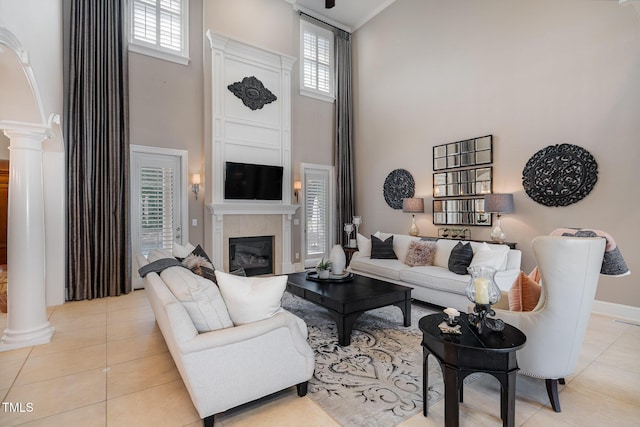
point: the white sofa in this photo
(433, 284)
(227, 367)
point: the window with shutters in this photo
(317, 193)
(317, 62)
(160, 28)
(157, 189)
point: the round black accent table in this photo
(460, 355)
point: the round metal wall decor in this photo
(398, 185)
(559, 175)
(252, 92)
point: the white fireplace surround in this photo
(239, 134)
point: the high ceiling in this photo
(350, 14)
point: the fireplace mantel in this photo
(251, 208)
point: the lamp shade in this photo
(195, 178)
(413, 205)
(498, 203)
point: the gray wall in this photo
(166, 107)
(532, 73)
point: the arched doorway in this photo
(22, 121)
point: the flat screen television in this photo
(252, 182)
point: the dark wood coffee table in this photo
(346, 301)
(460, 355)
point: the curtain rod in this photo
(320, 20)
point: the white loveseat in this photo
(233, 365)
(433, 284)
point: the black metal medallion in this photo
(398, 185)
(252, 92)
(559, 175)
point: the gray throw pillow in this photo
(460, 258)
(382, 249)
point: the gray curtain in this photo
(97, 138)
(344, 133)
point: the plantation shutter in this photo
(317, 60)
(317, 215)
(156, 228)
(158, 22)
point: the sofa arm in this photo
(229, 336)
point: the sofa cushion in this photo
(525, 292)
(435, 278)
(460, 258)
(443, 251)
(400, 243)
(494, 257)
(250, 299)
(387, 268)
(420, 253)
(382, 249)
(200, 297)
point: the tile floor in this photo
(108, 365)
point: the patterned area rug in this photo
(375, 381)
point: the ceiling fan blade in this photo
(328, 4)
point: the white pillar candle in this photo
(482, 290)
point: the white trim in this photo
(10, 40)
(184, 178)
(619, 311)
(160, 54)
(303, 214)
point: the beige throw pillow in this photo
(525, 292)
(420, 254)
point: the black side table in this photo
(460, 355)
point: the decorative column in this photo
(27, 323)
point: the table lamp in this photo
(413, 206)
(498, 204)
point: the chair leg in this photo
(561, 381)
(302, 388)
(552, 391)
(208, 421)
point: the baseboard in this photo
(619, 311)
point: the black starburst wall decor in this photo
(559, 175)
(252, 93)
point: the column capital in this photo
(25, 135)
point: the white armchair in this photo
(569, 271)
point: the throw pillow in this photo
(200, 298)
(180, 251)
(494, 258)
(250, 299)
(382, 249)
(420, 253)
(364, 245)
(460, 258)
(525, 292)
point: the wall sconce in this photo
(195, 184)
(297, 186)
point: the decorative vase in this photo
(338, 259)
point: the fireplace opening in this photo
(253, 254)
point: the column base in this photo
(12, 339)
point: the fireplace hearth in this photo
(253, 254)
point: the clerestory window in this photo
(160, 28)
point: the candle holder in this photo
(357, 221)
(348, 228)
(483, 291)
